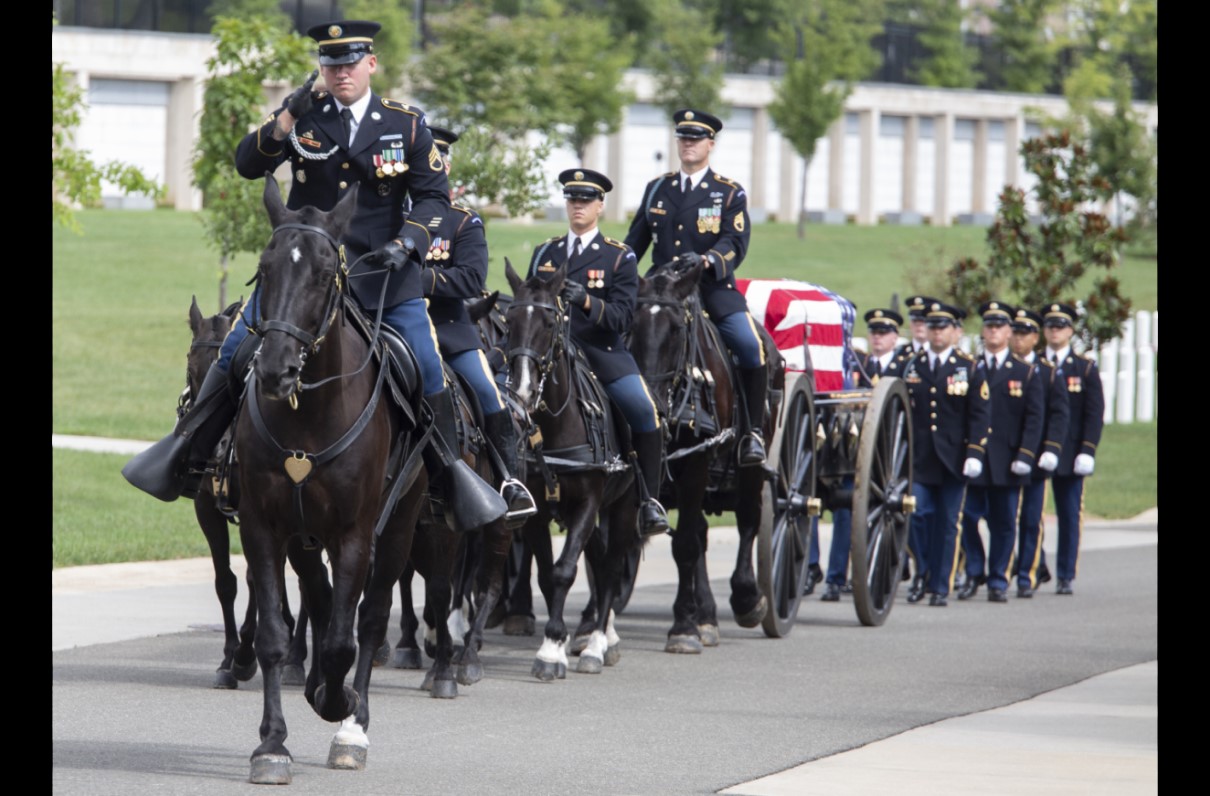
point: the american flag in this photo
(788, 308)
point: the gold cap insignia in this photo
(877, 313)
(688, 115)
(335, 31)
(579, 175)
(994, 306)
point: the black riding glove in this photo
(686, 262)
(299, 103)
(395, 254)
(574, 294)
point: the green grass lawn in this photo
(120, 297)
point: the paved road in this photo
(1054, 695)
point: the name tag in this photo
(390, 137)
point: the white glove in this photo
(1021, 468)
(1048, 461)
(1083, 465)
(972, 468)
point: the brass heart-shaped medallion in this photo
(298, 467)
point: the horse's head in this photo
(659, 335)
(208, 334)
(301, 277)
(480, 307)
(537, 332)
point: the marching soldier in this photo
(696, 215)
(1086, 399)
(1031, 560)
(951, 418)
(600, 287)
(1017, 415)
(917, 313)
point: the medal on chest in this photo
(957, 384)
(596, 277)
(709, 219)
(390, 162)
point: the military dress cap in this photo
(996, 312)
(442, 137)
(1026, 321)
(584, 184)
(883, 320)
(344, 42)
(1058, 315)
(918, 306)
(942, 314)
(696, 124)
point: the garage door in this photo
(126, 120)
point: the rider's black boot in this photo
(502, 436)
(649, 448)
(470, 502)
(755, 384)
(162, 470)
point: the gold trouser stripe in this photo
(650, 400)
(760, 341)
(1012, 557)
(1075, 566)
(436, 346)
(487, 371)
(957, 542)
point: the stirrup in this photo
(518, 517)
(661, 526)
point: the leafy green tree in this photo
(747, 27)
(392, 44)
(826, 48)
(1123, 150)
(683, 57)
(1019, 28)
(1105, 33)
(248, 53)
(948, 61)
(1034, 266)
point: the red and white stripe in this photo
(788, 309)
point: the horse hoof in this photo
(243, 671)
(293, 674)
(223, 678)
(754, 617)
(612, 655)
(709, 635)
(549, 670)
(382, 655)
(407, 659)
(519, 626)
(590, 665)
(444, 689)
(469, 674)
(270, 770)
(347, 757)
(579, 643)
(684, 645)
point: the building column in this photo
(943, 135)
(836, 165)
(184, 121)
(757, 194)
(979, 172)
(869, 121)
(911, 133)
(1013, 129)
(789, 188)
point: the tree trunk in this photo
(802, 201)
(222, 283)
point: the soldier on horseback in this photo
(335, 140)
(695, 215)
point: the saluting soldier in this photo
(1086, 400)
(600, 287)
(951, 418)
(1018, 404)
(695, 215)
(333, 140)
(455, 269)
(1031, 559)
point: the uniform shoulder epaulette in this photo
(670, 174)
(396, 105)
(462, 208)
(319, 94)
(615, 243)
(552, 240)
(963, 355)
(726, 180)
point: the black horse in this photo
(686, 365)
(573, 468)
(214, 505)
(329, 454)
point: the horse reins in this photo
(545, 360)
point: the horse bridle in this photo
(311, 341)
(544, 360)
(683, 361)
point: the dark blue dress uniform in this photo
(608, 271)
(951, 417)
(1030, 558)
(1018, 405)
(710, 220)
(1081, 381)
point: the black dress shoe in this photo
(814, 576)
(847, 588)
(996, 596)
(969, 589)
(916, 592)
(1064, 587)
(1025, 591)
(832, 594)
(1043, 576)
(939, 600)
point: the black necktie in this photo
(875, 366)
(347, 116)
(575, 251)
(686, 185)
(992, 365)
